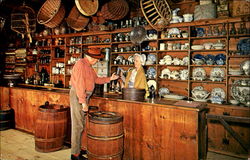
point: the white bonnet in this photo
(142, 58)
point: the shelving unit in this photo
(74, 46)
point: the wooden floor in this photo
(17, 145)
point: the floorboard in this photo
(17, 145)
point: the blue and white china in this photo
(199, 94)
(175, 75)
(175, 18)
(220, 59)
(217, 74)
(184, 74)
(199, 74)
(163, 91)
(151, 72)
(176, 61)
(244, 46)
(240, 91)
(152, 58)
(210, 59)
(174, 32)
(217, 95)
(200, 32)
(185, 61)
(151, 34)
(245, 67)
(198, 59)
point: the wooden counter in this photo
(158, 130)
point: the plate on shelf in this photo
(217, 73)
(245, 67)
(218, 92)
(163, 91)
(200, 100)
(199, 74)
(151, 57)
(174, 96)
(152, 83)
(151, 72)
(185, 61)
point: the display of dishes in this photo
(163, 91)
(199, 74)
(174, 96)
(151, 72)
(240, 91)
(245, 67)
(217, 74)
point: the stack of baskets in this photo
(115, 9)
(76, 20)
(51, 13)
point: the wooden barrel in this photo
(50, 128)
(105, 136)
(133, 94)
(6, 118)
(84, 133)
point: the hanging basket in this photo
(76, 20)
(115, 9)
(51, 13)
(23, 20)
(87, 7)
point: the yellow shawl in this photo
(140, 80)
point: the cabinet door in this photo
(219, 139)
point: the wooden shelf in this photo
(208, 50)
(172, 39)
(239, 35)
(162, 79)
(222, 66)
(218, 82)
(93, 44)
(173, 50)
(239, 56)
(209, 37)
(243, 76)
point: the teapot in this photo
(198, 61)
(175, 18)
(200, 94)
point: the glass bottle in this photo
(233, 30)
(223, 30)
(216, 31)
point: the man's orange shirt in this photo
(83, 79)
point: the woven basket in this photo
(76, 20)
(115, 9)
(51, 13)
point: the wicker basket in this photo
(76, 20)
(115, 9)
(51, 13)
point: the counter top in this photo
(118, 97)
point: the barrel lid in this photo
(106, 116)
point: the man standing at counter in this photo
(83, 79)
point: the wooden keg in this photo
(50, 127)
(105, 136)
(6, 118)
(133, 94)
(84, 133)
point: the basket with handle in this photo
(51, 13)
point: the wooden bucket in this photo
(50, 129)
(133, 94)
(6, 118)
(105, 136)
